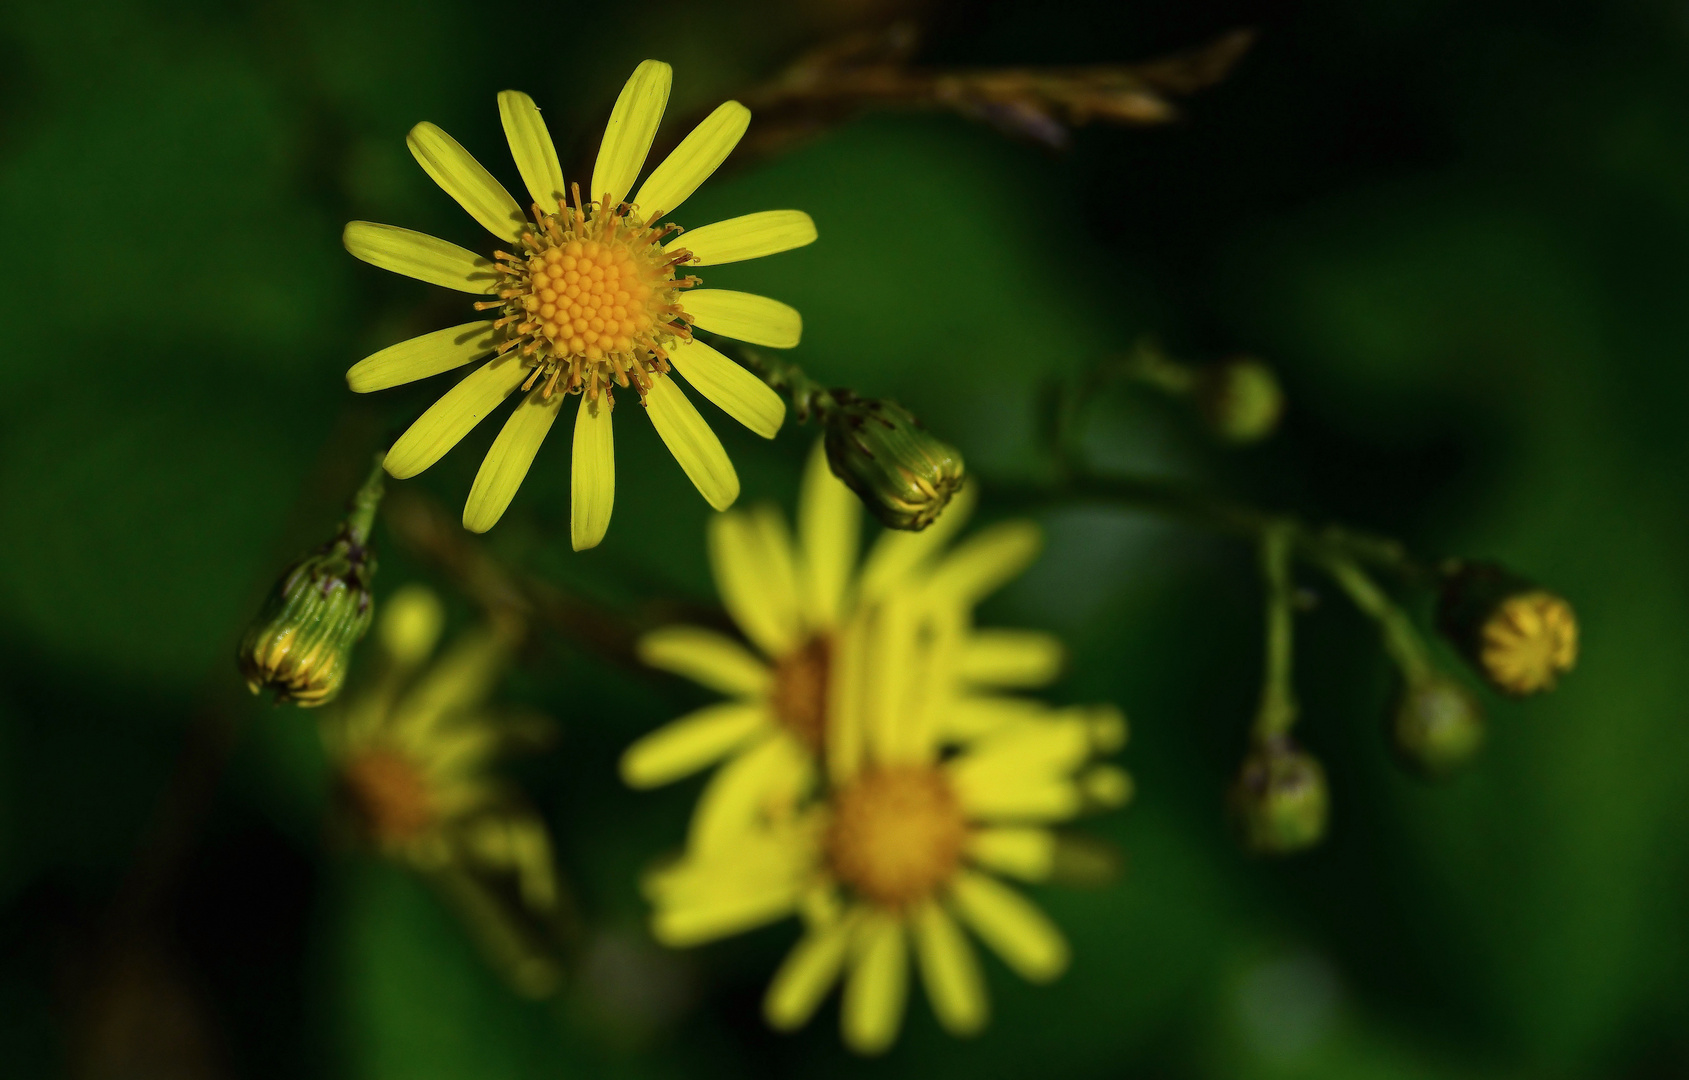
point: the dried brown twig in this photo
(874, 70)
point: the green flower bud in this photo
(300, 644)
(1436, 726)
(1279, 799)
(1240, 399)
(1520, 637)
(904, 474)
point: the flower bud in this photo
(1436, 726)
(903, 473)
(1279, 799)
(300, 643)
(1520, 637)
(1240, 399)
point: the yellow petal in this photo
(950, 970)
(809, 971)
(846, 728)
(420, 357)
(706, 658)
(898, 554)
(745, 316)
(592, 473)
(507, 463)
(692, 443)
(694, 924)
(1046, 748)
(691, 163)
(969, 716)
(734, 390)
(454, 415)
(461, 678)
(744, 789)
(694, 741)
(1011, 658)
(988, 795)
(530, 145)
(750, 236)
(987, 560)
(751, 559)
(464, 179)
(1029, 854)
(633, 124)
(1005, 920)
(829, 531)
(420, 256)
(876, 987)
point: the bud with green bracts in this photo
(1279, 798)
(1240, 399)
(1519, 636)
(904, 474)
(300, 645)
(1436, 726)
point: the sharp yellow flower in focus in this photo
(411, 757)
(790, 599)
(910, 846)
(585, 296)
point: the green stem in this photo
(1277, 713)
(362, 518)
(808, 396)
(1401, 640)
(1315, 544)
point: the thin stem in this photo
(1277, 713)
(1401, 640)
(808, 396)
(362, 518)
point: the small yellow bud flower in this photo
(901, 471)
(1519, 636)
(1240, 399)
(1436, 726)
(1279, 799)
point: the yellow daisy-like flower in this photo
(411, 757)
(790, 601)
(586, 298)
(910, 844)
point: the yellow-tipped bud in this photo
(1240, 399)
(1436, 726)
(300, 644)
(904, 474)
(1519, 636)
(1279, 799)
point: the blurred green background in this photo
(1461, 233)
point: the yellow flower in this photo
(586, 298)
(411, 757)
(911, 842)
(790, 600)
(1528, 642)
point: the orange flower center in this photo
(799, 697)
(591, 299)
(389, 795)
(897, 834)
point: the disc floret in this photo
(592, 299)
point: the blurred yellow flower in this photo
(790, 600)
(587, 298)
(411, 756)
(910, 843)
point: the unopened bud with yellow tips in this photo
(299, 647)
(1240, 399)
(1279, 799)
(1519, 636)
(1436, 725)
(900, 470)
